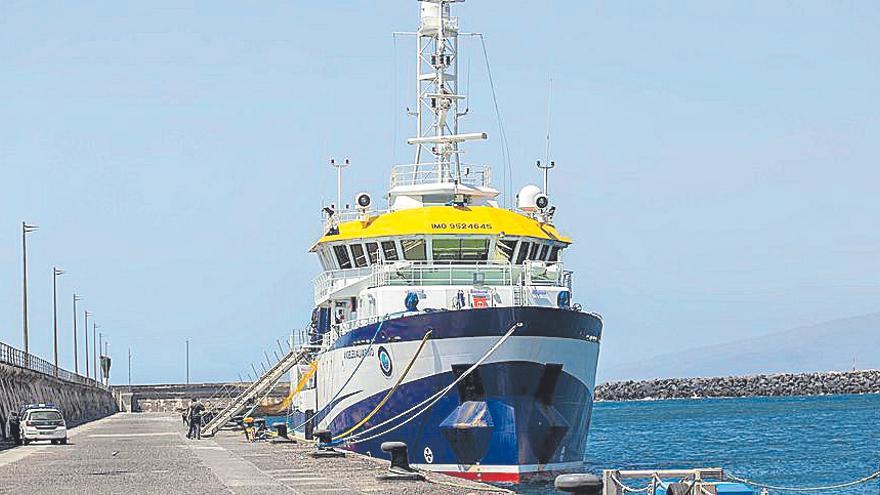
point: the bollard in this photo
(283, 437)
(324, 437)
(680, 488)
(310, 425)
(580, 484)
(324, 449)
(400, 469)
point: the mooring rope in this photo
(390, 392)
(627, 488)
(430, 401)
(363, 357)
(859, 481)
(285, 404)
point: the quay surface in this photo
(148, 453)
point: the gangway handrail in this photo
(263, 384)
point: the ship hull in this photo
(524, 412)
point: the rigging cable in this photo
(430, 401)
(394, 99)
(505, 150)
(549, 121)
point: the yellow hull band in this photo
(439, 220)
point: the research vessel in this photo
(445, 320)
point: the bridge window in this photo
(474, 249)
(360, 257)
(413, 249)
(451, 250)
(533, 252)
(373, 252)
(523, 252)
(544, 249)
(389, 249)
(342, 257)
(554, 253)
(504, 250)
(326, 258)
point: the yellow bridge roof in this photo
(476, 220)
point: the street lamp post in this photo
(75, 345)
(25, 230)
(187, 361)
(55, 273)
(129, 366)
(95, 350)
(86, 344)
(107, 355)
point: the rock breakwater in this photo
(776, 385)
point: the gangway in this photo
(257, 389)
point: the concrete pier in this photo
(176, 396)
(148, 453)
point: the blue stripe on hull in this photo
(542, 322)
(512, 426)
(506, 413)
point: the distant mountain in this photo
(827, 346)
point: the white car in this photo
(43, 423)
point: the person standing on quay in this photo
(13, 428)
(194, 412)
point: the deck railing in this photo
(432, 173)
(17, 357)
(428, 273)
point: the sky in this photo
(717, 162)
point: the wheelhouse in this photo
(449, 257)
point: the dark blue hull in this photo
(527, 413)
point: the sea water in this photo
(797, 442)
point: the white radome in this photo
(526, 199)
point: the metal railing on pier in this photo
(16, 357)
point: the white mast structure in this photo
(438, 175)
(437, 92)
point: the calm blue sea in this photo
(781, 441)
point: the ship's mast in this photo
(437, 92)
